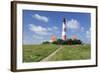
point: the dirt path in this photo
(52, 54)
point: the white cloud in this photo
(38, 29)
(49, 29)
(38, 37)
(42, 30)
(55, 28)
(40, 17)
(73, 24)
(88, 33)
(82, 29)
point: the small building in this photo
(74, 37)
(53, 38)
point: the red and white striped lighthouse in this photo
(64, 29)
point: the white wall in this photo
(5, 37)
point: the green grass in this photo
(35, 53)
(74, 52)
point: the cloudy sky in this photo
(38, 26)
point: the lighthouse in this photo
(64, 29)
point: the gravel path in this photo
(52, 54)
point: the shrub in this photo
(67, 42)
(46, 42)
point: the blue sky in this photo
(38, 26)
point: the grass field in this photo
(35, 53)
(74, 52)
